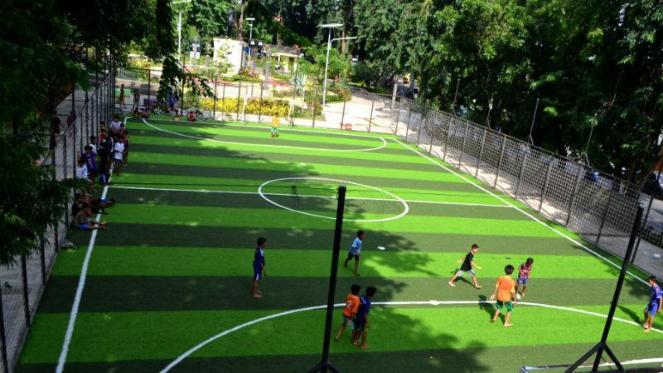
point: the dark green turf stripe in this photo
(166, 293)
(326, 205)
(476, 359)
(283, 171)
(202, 236)
(349, 160)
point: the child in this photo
(352, 303)
(361, 320)
(523, 276)
(655, 303)
(276, 121)
(355, 251)
(258, 267)
(505, 292)
(467, 267)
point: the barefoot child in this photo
(505, 292)
(351, 307)
(655, 303)
(468, 266)
(258, 267)
(355, 251)
(523, 276)
(361, 320)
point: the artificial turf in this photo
(174, 268)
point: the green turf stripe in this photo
(287, 238)
(172, 261)
(325, 206)
(261, 165)
(168, 293)
(279, 218)
(160, 335)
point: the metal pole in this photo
(544, 190)
(26, 298)
(483, 143)
(324, 363)
(462, 148)
(520, 176)
(324, 83)
(342, 115)
(574, 193)
(499, 161)
(370, 118)
(604, 217)
(215, 89)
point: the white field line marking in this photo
(406, 207)
(384, 142)
(521, 210)
(309, 196)
(81, 285)
(395, 303)
(266, 126)
(79, 293)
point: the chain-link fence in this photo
(598, 206)
(77, 118)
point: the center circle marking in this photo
(406, 207)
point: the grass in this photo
(174, 268)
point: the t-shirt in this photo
(467, 263)
(505, 287)
(90, 161)
(364, 309)
(119, 150)
(355, 249)
(259, 259)
(655, 294)
(524, 270)
(352, 303)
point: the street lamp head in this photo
(331, 25)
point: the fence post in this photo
(260, 105)
(574, 192)
(409, 115)
(215, 92)
(3, 336)
(370, 118)
(605, 216)
(544, 190)
(462, 148)
(520, 176)
(26, 298)
(239, 94)
(483, 143)
(499, 161)
(343, 114)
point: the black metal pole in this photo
(324, 363)
(603, 345)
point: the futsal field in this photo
(166, 288)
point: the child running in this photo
(523, 276)
(355, 251)
(505, 292)
(468, 266)
(352, 303)
(258, 267)
(276, 122)
(360, 333)
(655, 303)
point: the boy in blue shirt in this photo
(355, 251)
(655, 303)
(258, 267)
(361, 319)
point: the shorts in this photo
(652, 309)
(523, 280)
(509, 305)
(353, 255)
(461, 273)
(347, 320)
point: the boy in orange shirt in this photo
(351, 307)
(505, 292)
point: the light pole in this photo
(329, 27)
